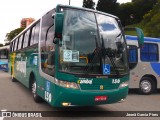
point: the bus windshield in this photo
(91, 41)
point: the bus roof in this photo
(91, 10)
(146, 39)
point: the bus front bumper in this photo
(70, 97)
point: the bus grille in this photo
(98, 87)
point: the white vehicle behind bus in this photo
(144, 64)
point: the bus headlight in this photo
(123, 84)
(66, 84)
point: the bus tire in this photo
(147, 86)
(36, 97)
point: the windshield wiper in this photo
(94, 57)
(100, 54)
(109, 53)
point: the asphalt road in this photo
(16, 97)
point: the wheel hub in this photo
(34, 88)
(146, 86)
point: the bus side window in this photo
(36, 33)
(16, 44)
(132, 56)
(32, 36)
(47, 45)
(13, 46)
(50, 52)
(26, 39)
(149, 52)
(7, 52)
(20, 42)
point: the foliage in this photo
(88, 4)
(108, 6)
(13, 33)
(151, 21)
(7, 44)
(141, 7)
(129, 13)
(126, 13)
(133, 12)
(1, 45)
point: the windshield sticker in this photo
(106, 69)
(66, 38)
(75, 56)
(70, 56)
(67, 55)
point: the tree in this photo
(1, 45)
(88, 4)
(126, 13)
(151, 21)
(13, 33)
(7, 44)
(108, 6)
(141, 7)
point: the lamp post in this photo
(69, 2)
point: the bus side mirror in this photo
(140, 36)
(139, 33)
(59, 17)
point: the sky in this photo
(12, 11)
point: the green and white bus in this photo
(72, 57)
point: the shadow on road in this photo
(136, 92)
(96, 111)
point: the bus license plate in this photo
(100, 98)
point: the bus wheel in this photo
(36, 97)
(146, 86)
